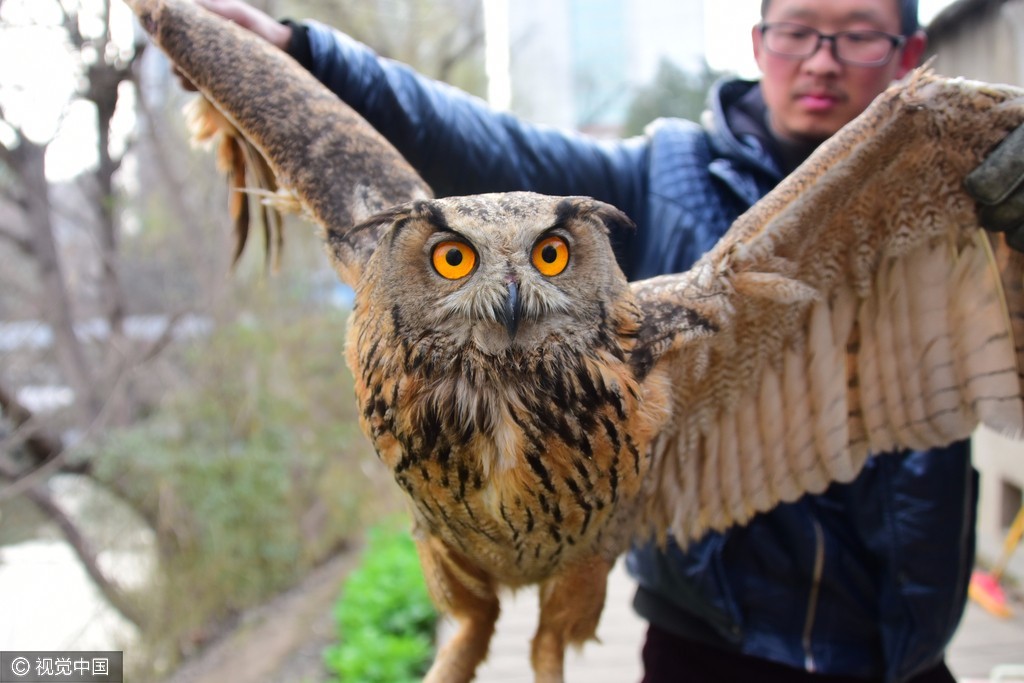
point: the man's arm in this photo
(251, 19)
(454, 140)
(462, 146)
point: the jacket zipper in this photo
(812, 600)
(970, 501)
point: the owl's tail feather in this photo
(294, 133)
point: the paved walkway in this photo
(982, 643)
(616, 659)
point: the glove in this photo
(998, 186)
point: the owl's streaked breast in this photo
(522, 461)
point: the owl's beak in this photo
(511, 311)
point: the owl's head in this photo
(498, 271)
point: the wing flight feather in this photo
(286, 130)
(857, 309)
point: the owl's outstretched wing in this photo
(284, 128)
(857, 309)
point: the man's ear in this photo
(911, 54)
(755, 40)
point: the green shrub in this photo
(385, 618)
(250, 473)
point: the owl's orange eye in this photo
(453, 260)
(551, 255)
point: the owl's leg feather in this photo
(467, 594)
(570, 608)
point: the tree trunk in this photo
(55, 303)
(104, 80)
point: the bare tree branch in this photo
(162, 341)
(30, 165)
(69, 20)
(8, 195)
(51, 456)
(6, 155)
(18, 438)
(176, 191)
(108, 586)
(43, 447)
(104, 79)
(454, 57)
(104, 37)
(22, 244)
(43, 444)
(15, 286)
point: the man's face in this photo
(809, 99)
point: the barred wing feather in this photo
(857, 309)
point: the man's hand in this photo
(248, 17)
(998, 186)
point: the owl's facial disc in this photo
(496, 280)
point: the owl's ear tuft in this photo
(618, 227)
(370, 229)
(614, 220)
(343, 244)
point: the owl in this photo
(541, 413)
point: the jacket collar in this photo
(737, 131)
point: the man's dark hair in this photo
(908, 15)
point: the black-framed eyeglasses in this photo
(857, 48)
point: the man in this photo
(868, 580)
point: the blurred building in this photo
(980, 39)
(984, 40)
(577, 63)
